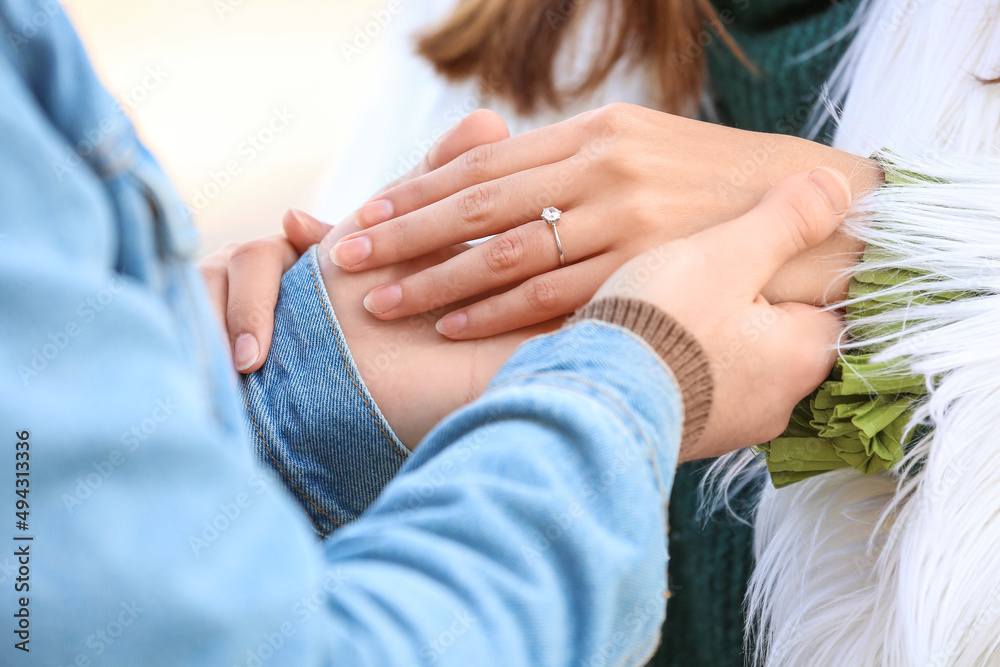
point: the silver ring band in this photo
(552, 215)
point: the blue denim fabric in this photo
(309, 414)
(157, 540)
(528, 529)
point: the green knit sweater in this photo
(710, 564)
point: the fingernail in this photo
(309, 223)
(834, 187)
(452, 324)
(374, 213)
(383, 299)
(245, 352)
(351, 252)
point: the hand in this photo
(243, 279)
(626, 178)
(416, 376)
(765, 358)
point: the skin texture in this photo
(764, 358)
(416, 376)
(713, 283)
(626, 178)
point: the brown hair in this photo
(510, 45)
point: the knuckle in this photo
(504, 254)
(475, 204)
(254, 251)
(409, 193)
(616, 117)
(214, 271)
(542, 295)
(478, 162)
(398, 237)
(246, 314)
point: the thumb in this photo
(798, 213)
(302, 230)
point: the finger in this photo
(478, 128)
(511, 257)
(808, 339)
(482, 210)
(487, 162)
(798, 213)
(302, 230)
(215, 272)
(255, 271)
(539, 299)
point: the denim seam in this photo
(278, 465)
(347, 365)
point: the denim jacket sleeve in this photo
(154, 538)
(527, 530)
(310, 416)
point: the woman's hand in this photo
(626, 179)
(243, 283)
(764, 358)
(243, 280)
(415, 376)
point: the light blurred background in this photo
(201, 77)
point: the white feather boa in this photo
(903, 569)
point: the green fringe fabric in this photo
(858, 418)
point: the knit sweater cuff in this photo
(678, 349)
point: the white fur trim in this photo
(903, 569)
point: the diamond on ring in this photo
(552, 215)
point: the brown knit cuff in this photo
(678, 349)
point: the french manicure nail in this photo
(383, 299)
(374, 213)
(834, 187)
(351, 252)
(452, 324)
(245, 351)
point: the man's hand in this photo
(765, 358)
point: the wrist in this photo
(678, 349)
(864, 174)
